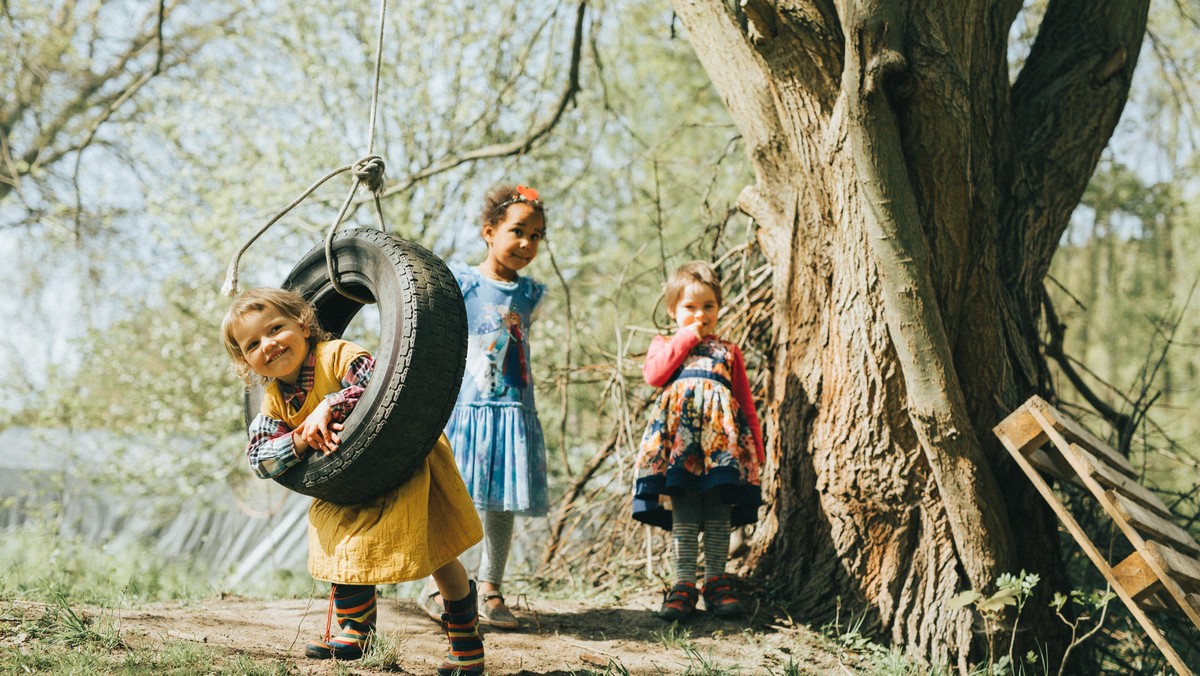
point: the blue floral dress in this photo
(494, 428)
(699, 439)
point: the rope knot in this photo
(370, 170)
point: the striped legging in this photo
(688, 512)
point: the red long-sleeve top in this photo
(666, 355)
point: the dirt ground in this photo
(557, 637)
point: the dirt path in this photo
(556, 638)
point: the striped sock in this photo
(356, 610)
(461, 622)
(684, 536)
(716, 547)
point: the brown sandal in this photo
(499, 617)
(431, 604)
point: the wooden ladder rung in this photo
(1078, 434)
(1022, 430)
(1182, 568)
(1142, 583)
(1025, 433)
(1111, 478)
(1137, 578)
(1152, 525)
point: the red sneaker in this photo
(720, 598)
(679, 602)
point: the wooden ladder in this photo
(1163, 572)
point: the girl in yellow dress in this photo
(416, 530)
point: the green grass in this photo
(675, 636)
(175, 659)
(36, 566)
(55, 639)
(620, 584)
(44, 579)
(701, 665)
(386, 653)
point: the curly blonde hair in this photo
(288, 303)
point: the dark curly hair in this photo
(497, 201)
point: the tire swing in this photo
(422, 348)
(418, 367)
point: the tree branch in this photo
(88, 103)
(575, 491)
(875, 68)
(1054, 350)
(519, 146)
(1065, 104)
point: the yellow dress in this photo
(406, 533)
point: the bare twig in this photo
(519, 146)
(1054, 350)
(565, 373)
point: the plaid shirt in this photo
(271, 451)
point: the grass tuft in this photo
(675, 636)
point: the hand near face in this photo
(697, 327)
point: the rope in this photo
(368, 171)
(329, 612)
(230, 287)
(375, 90)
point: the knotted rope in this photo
(369, 172)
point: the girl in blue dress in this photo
(494, 428)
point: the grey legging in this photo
(497, 539)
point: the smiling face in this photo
(698, 305)
(273, 344)
(513, 241)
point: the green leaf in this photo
(997, 601)
(962, 600)
(1058, 601)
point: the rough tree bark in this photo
(909, 198)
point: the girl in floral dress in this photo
(699, 459)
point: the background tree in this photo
(79, 76)
(910, 197)
(885, 473)
(215, 146)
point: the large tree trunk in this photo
(909, 199)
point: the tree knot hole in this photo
(888, 72)
(760, 21)
(1112, 64)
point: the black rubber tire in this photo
(418, 367)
